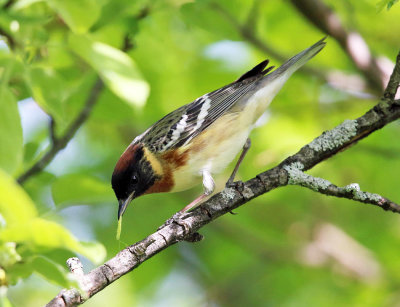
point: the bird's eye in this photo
(135, 179)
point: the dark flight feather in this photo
(219, 101)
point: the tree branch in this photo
(185, 226)
(352, 42)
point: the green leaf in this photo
(48, 90)
(79, 15)
(86, 189)
(42, 235)
(51, 271)
(30, 151)
(15, 205)
(23, 225)
(22, 4)
(8, 255)
(11, 143)
(391, 3)
(5, 302)
(388, 3)
(20, 270)
(43, 266)
(117, 69)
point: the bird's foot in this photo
(179, 219)
(176, 218)
(237, 185)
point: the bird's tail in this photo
(290, 66)
(266, 88)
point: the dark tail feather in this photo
(264, 72)
(256, 71)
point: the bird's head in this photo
(137, 172)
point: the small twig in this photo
(393, 85)
(52, 128)
(351, 191)
(8, 4)
(75, 267)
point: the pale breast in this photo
(213, 150)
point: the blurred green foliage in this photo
(291, 247)
(387, 3)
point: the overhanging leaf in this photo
(42, 235)
(79, 15)
(50, 270)
(15, 205)
(82, 189)
(48, 90)
(387, 3)
(118, 70)
(11, 144)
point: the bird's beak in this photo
(123, 203)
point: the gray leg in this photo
(246, 148)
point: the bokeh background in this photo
(91, 75)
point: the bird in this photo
(198, 140)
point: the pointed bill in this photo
(124, 203)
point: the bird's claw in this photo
(237, 185)
(177, 219)
(187, 234)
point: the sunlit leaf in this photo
(24, 4)
(23, 225)
(8, 254)
(10, 132)
(391, 3)
(118, 70)
(20, 270)
(15, 205)
(5, 302)
(83, 189)
(388, 3)
(42, 235)
(48, 90)
(50, 270)
(79, 15)
(93, 251)
(30, 151)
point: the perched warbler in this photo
(201, 138)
